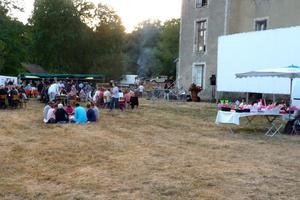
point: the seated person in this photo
(46, 109)
(69, 109)
(51, 115)
(289, 127)
(80, 114)
(61, 116)
(90, 114)
(97, 112)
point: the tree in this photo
(77, 36)
(58, 35)
(109, 40)
(168, 47)
(13, 41)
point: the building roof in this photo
(33, 68)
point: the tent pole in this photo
(247, 97)
(291, 92)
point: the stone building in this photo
(203, 21)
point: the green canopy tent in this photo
(81, 77)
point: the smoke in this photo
(147, 62)
(149, 33)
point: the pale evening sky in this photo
(131, 11)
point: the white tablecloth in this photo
(234, 117)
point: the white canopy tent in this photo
(291, 72)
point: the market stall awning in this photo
(61, 76)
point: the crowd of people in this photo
(57, 113)
(12, 95)
(67, 109)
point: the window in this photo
(198, 74)
(200, 36)
(261, 25)
(201, 3)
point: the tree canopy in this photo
(77, 36)
(13, 40)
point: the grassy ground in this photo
(161, 151)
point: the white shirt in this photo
(95, 95)
(54, 88)
(141, 88)
(115, 92)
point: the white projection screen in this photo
(258, 50)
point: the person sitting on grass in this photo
(46, 109)
(61, 116)
(69, 109)
(97, 112)
(80, 114)
(51, 115)
(90, 114)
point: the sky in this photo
(131, 11)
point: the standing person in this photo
(73, 92)
(115, 98)
(80, 114)
(157, 91)
(82, 95)
(166, 92)
(96, 95)
(90, 114)
(40, 87)
(88, 91)
(28, 89)
(134, 100)
(127, 96)
(53, 90)
(106, 98)
(141, 90)
(80, 86)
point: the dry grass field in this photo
(160, 151)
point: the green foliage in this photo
(77, 36)
(57, 35)
(109, 40)
(13, 42)
(168, 47)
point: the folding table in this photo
(224, 117)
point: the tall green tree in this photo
(167, 48)
(77, 36)
(13, 40)
(109, 40)
(58, 35)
